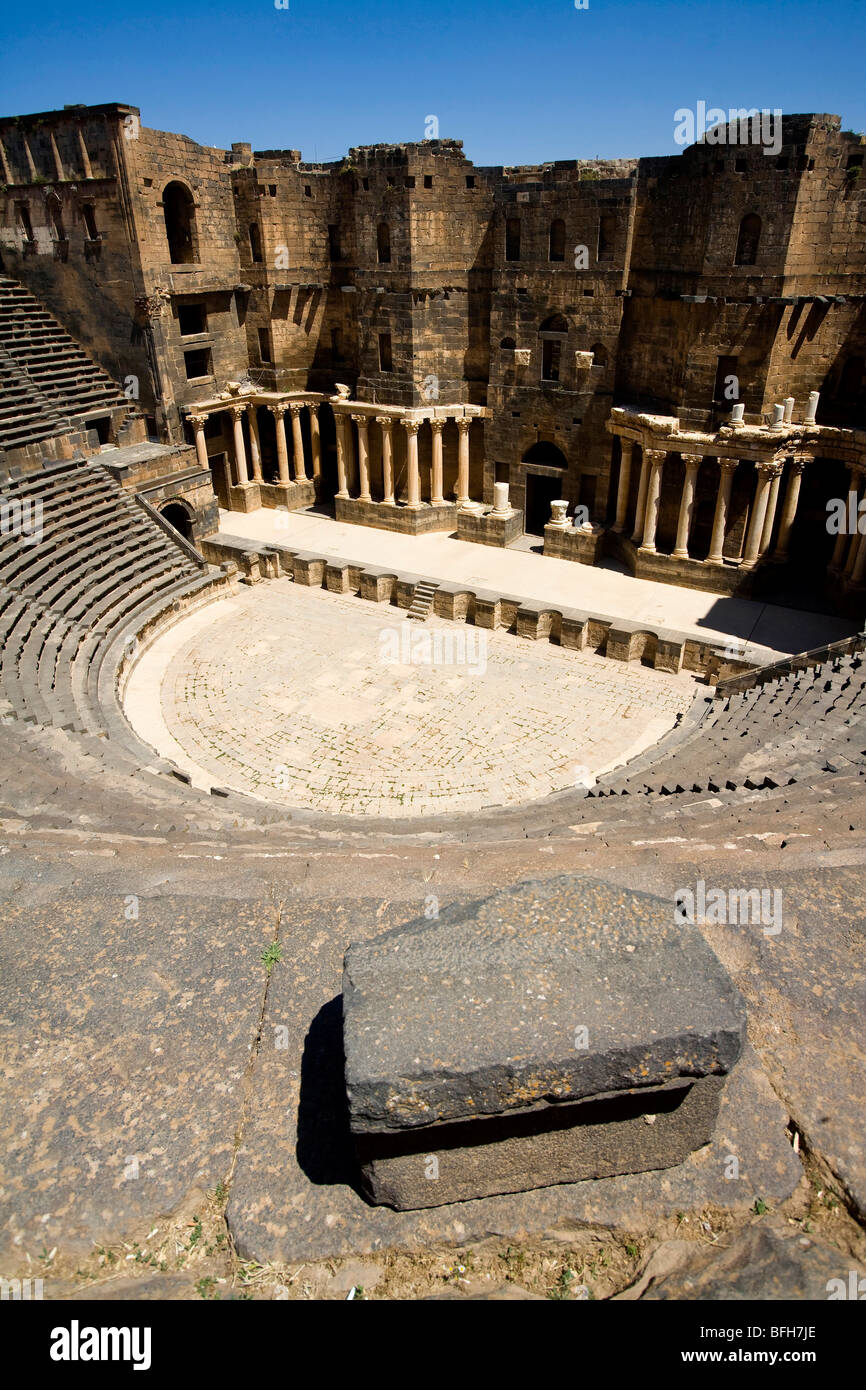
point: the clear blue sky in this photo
(518, 81)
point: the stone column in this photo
(413, 475)
(363, 458)
(767, 532)
(640, 508)
(766, 472)
(298, 444)
(237, 414)
(255, 445)
(278, 412)
(385, 422)
(437, 426)
(653, 493)
(853, 555)
(198, 424)
(692, 463)
(860, 563)
(837, 560)
(727, 469)
(789, 507)
(342, 476)
(463, 423)
(501, 504)
(315, 439)
(627, 450)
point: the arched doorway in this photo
(177, 516)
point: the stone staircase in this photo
(48, 382)
(422, 600)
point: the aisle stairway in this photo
(47, 381)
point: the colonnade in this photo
(279, 409)
(848, 560)
(350, 467)
(761, 518)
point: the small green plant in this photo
(221, 1191)
(562, 1288)
(195, 1237)
(271, 955)
(760, 1206)
(631, 1250)
(207, 1287)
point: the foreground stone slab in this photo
(769, 1262)
(556, 1032)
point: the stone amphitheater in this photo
(260, 725)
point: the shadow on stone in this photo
(324, 1149)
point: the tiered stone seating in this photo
(26, 417)
(99, 571)
(47, 380)
(776, 733)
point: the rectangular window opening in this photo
(197, 363)
(386, 360)
(191, 318)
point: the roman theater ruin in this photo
(418, 571)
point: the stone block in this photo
(633, 1132)
(308, 569)
(537, 623)
(246, 498)
(669, 654)
(486, 528)
(573, 633)
(565, 1030)
(337, 578)
(458, 605)
(487, 611)
(378, 588)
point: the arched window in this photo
(255, 242)
(383, 243)
(512, 239)
(599, 355)
(179, 213)
(508, 344)
(557, 240)
(606, 236)
(747, 241)
(557, 323)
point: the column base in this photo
(679, 555)
(245, 497)
(414, 520)
(646, 549)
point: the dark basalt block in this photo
(523, 1042)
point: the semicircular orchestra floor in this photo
(322, 701)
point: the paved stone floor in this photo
(316, 700)
(604, 592)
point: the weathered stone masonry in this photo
(400, 330)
